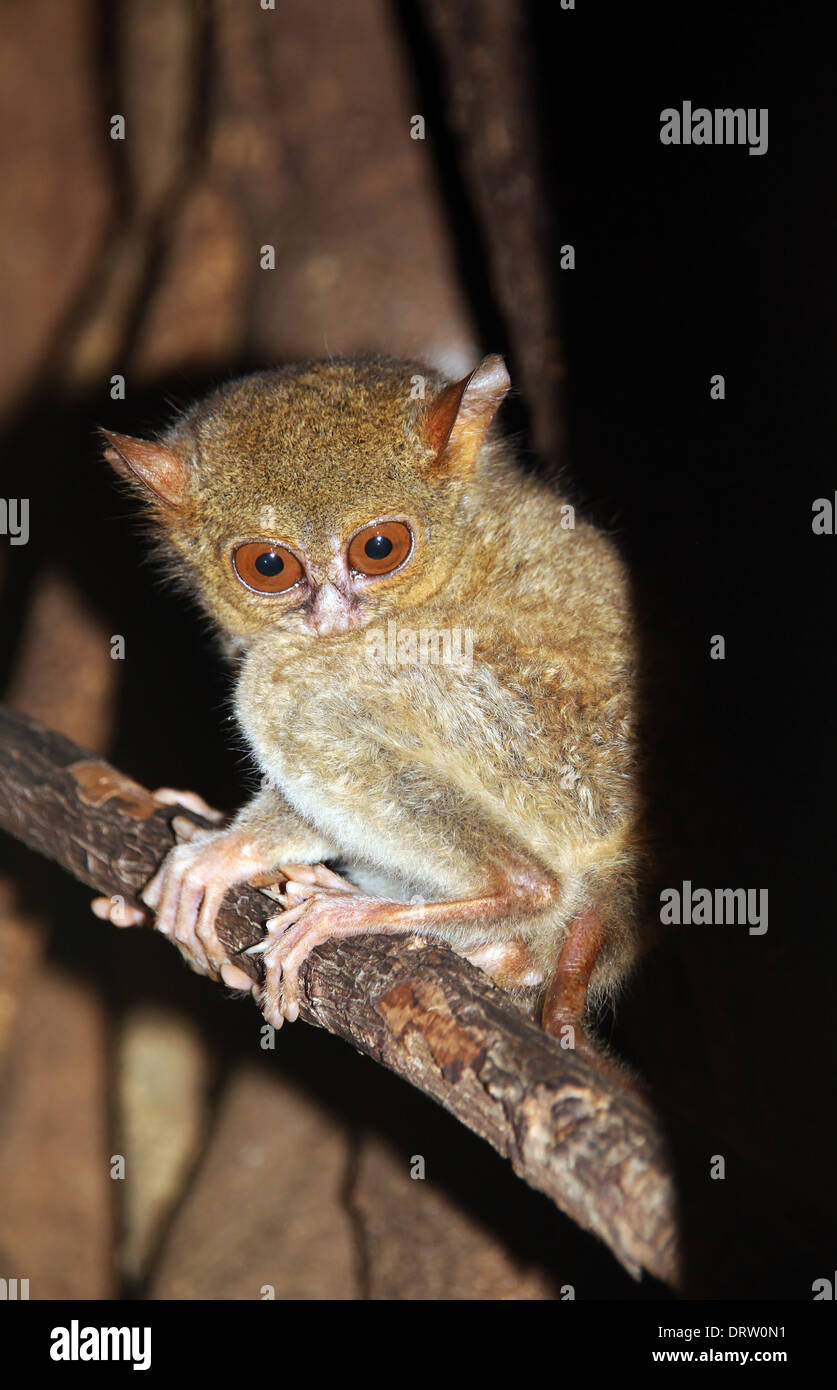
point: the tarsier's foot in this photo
(320, 906)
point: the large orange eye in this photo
(266, 568)
(381, 547)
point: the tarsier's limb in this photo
(325, 907)
(566, 1002)
(187, 891)
(313, 917)
(318, 905)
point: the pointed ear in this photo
(139, 460)
(456, 422)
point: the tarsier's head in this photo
(313, 499)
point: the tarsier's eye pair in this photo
(377, 549)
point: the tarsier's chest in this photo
(365, 741)
(391, 701)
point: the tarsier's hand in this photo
(190, 886)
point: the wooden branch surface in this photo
(411, 1004)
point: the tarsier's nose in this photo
(331, 610)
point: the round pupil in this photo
(269, 564)
(378, 547)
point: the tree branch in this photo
(413, 1005)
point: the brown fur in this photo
(422, 779)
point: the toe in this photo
(153, 892)
(275, 927)
(235, 978)
(300, 873)
(119, 913)
(317, 876)
(296, 892)
(205, 929)
(162, 894)
(327, 878)
(270, 997)
(189, 903)
(170, 797)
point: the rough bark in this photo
(413, 1005)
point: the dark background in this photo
(697, 261)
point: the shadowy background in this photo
(140, 258)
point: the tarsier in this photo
(491, 803)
